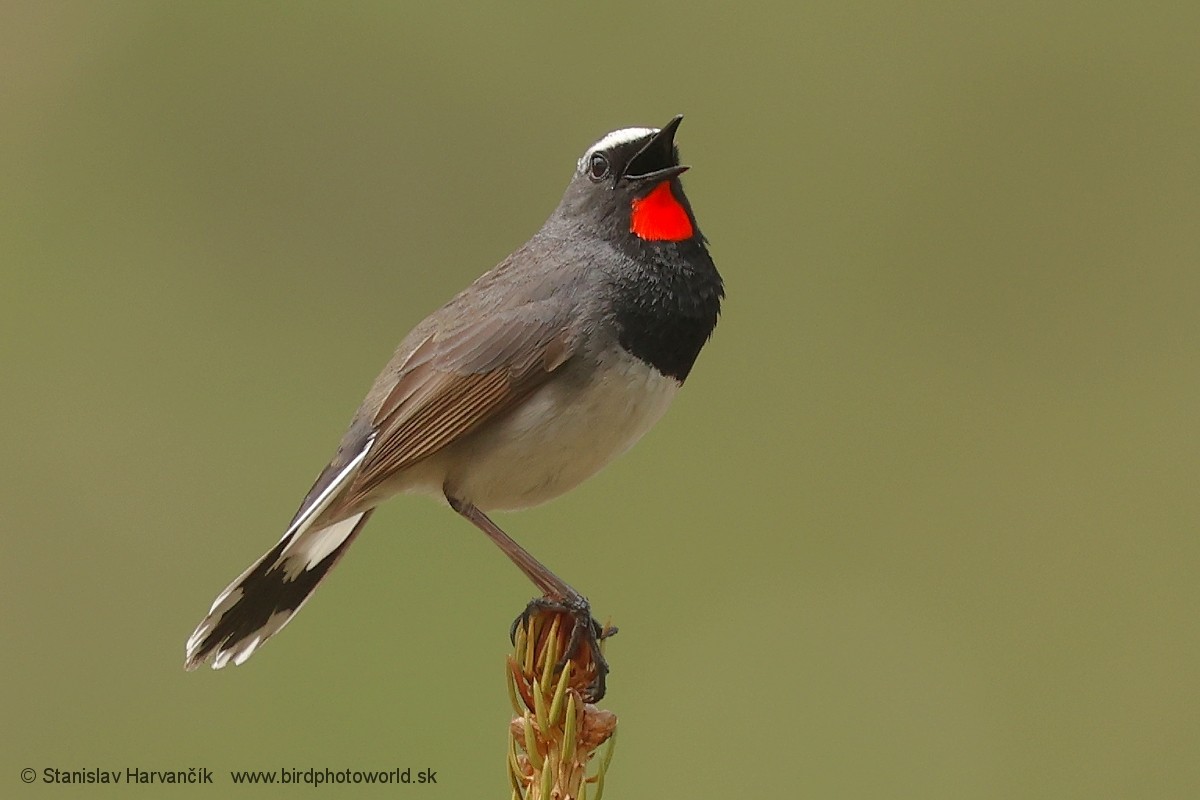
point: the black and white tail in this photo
(265, 597)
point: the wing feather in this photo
(454, 381)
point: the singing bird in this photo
(527, 382)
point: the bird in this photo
(529, 381)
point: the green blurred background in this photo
(923, 523)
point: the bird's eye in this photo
(598, 167)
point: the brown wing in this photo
(451, 382)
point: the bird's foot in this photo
(585, 630)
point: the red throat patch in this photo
(659, 217)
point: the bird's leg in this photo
(557, 596)
(552, 586)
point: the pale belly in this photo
(561, 435)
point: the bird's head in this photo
(627, 185)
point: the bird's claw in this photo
(585, 630)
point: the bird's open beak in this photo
(657, 161)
